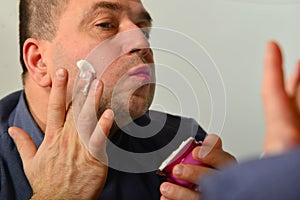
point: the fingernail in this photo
(202, 152)
(60, 74)
(164, 188)
(11, 133)
(178, 170)
(108, 114)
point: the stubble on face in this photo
(129, 98)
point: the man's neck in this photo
(37, 101)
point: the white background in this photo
(233, 32)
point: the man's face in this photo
(83, 26)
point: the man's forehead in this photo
(124, 2)
(135, 6)
(139, 1)
(121, 3)
(110, 4)
(84, 7)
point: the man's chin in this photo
(123, 119)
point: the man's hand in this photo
(281, 104)
(210, 153)
(65, 166)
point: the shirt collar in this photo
(23, 119)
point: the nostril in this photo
(142, 52)
(135, 50)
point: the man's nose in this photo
(134, 40)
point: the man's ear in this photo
(34, 61)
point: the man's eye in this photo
(146, 33)
(106, 25)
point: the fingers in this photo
(172, 191)
(297, 90)
(57, 102)
(212, 146)
(210, 143)
(293, 82)
(106, 121)
(212, 140)
(274, 95)
(211, 152)
(273, 82)
(92, 102)
(216, 158)
(84, 88)
(24, 143)
(190, 173)
(281, 112)
(87, 117)
(213, 159)
(97, 143)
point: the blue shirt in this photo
(119, 185)
(272, 178)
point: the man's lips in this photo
(140, 72)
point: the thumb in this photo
(213, 140)
(24, 143)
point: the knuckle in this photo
(211, 157)
(55, 106)
(86, 118)
(190, 171)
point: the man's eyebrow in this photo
(107, 5)
(117, 7)
(100, 5)
(114, 7)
